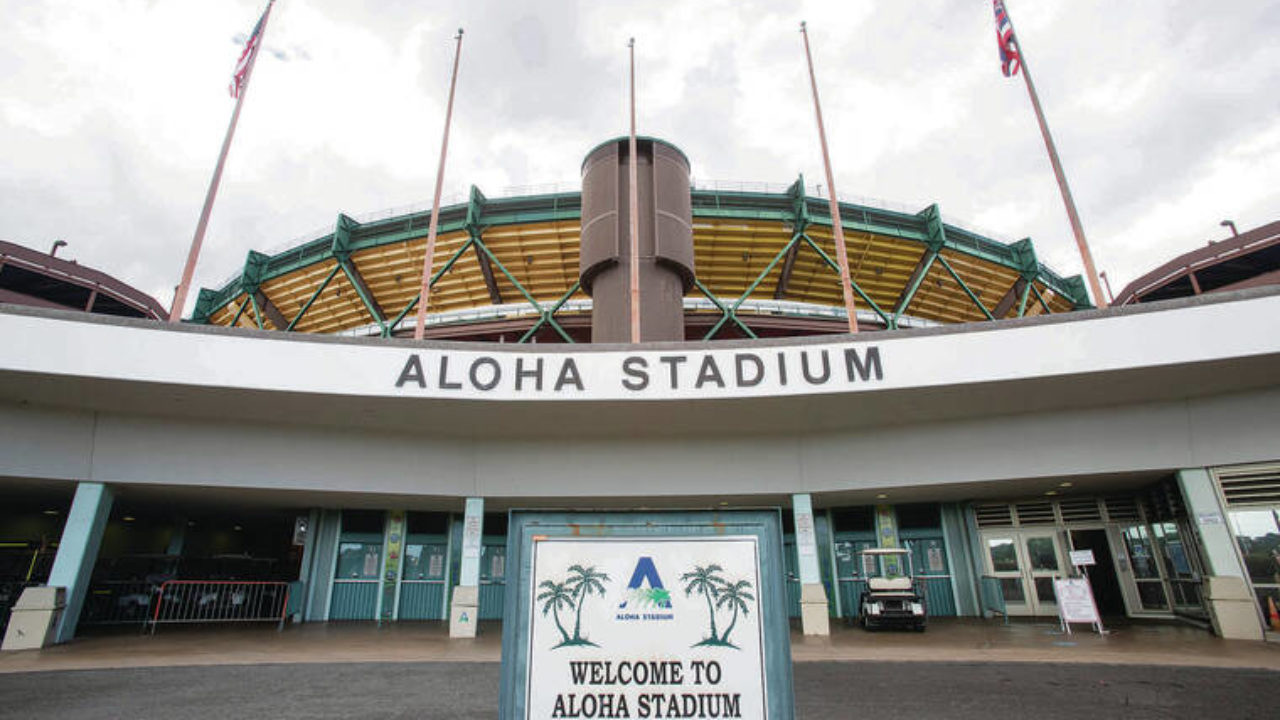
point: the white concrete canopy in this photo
(1111, 393)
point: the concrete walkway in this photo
(946, 640)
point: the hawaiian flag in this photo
(246, 57)
(1010, 60)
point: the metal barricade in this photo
(993, 597)
(220, 601)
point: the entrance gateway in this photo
(646, 615)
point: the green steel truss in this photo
(792, 208)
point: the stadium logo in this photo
(645, 596)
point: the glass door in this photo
(1043, 564)
(1004, 563)
(1025, 563)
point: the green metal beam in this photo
(527, 295)
(1040, 297)
(434, 279)
(865, 298)
(314, 296)
(727, 314)
(1026, 293)
(236, 320)
(549, 314)
(257, 312)
(965, 287)
(358, 283)
(731, 312)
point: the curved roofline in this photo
(81, 275)
(789, 208)
(1214, 253)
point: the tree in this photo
(583, 582)
(735, 595)
(704, 580)
(555, 596)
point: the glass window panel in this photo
(358, 561)
(1152, 595)
(929, 556)
(1004, 556)
(1174, 553)
(414, 567)
(1012, 589)
(1144, 566)
(1044, 590)
(1258, 533)
(1041, 553)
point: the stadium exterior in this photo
(992, 423)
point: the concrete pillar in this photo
(464, 612)
(78, 551)
(814, 617)
(1233, 609)
(664, 238)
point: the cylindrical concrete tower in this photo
(666, 239)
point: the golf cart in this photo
(890, 599)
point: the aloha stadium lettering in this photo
(651, 372)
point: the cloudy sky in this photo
(1167, 116)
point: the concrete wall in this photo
(44, 443)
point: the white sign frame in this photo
(1076, 604)
(630, 637)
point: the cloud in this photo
(112, 112)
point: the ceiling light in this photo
(1064, 484)
(50, 512)
(1052, 492)
(881, 496)
(128, 518)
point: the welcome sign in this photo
(663, 627)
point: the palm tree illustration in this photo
(555, 596)
(583, 581)
(735, 595)
(705, 581)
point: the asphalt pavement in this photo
(863, 689)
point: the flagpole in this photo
(184, 286)
(634, 206)
(1076, 227)
(428, 259)
(837, 227)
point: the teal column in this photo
(964, 576)
(78, 551)
(322, 540)
(465, 609)
(814, 616)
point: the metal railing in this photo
(220, 601)
(118, 603)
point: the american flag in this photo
(246, 57)
(1010, 60)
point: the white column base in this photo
(464, 611)
(814, 618)
(33, 622)
(1232, 608)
